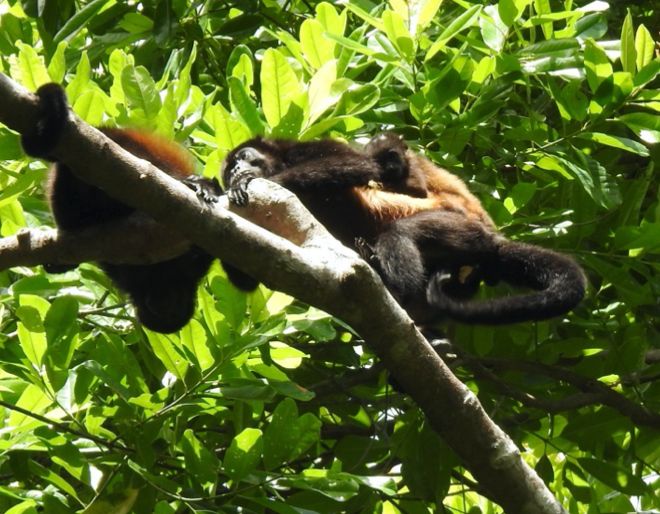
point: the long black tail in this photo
(558, 281)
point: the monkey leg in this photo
(163, 293)
(437, 244)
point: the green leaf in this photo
(646, 126)
(136, 23)
(597, 66)
(229, 132)
(628, 53)
(291, 124)
(332, 22)
(288, 435)
(30, 328)
(166, 348)
(398, 34)
(79, 20)
(616, 477)
(427, 11)
(592, 25)
(82, 78)
(25, 507)
(194, 338)
(244, 71)
(243, 454)
(38, 470)
(615, 90)
(520, 195)
(279, 86)
(31, 71)
(645, 238)
(594, 179)
(644, 47)
(493, 30)
(89, 106)
(451, 83)
(32, 400)
(202, 465)
(358, 99)
(140, 90)
(542, 7)
(57, 64)
(572, 103)
(321, 96)
(360, 13)
(510, 10)
(232, 302)
(317, 48)
(61, 331)
(464, 21)
(617, 142)
(244, 106)
(278, 507)
(647, 73)
(565, 46)
(184, 82)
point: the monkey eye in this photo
(248, 154)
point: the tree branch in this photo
(320, 272)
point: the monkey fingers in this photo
(207, 190)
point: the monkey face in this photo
(245, 161)
(239, 168)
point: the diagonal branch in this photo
(321, 272)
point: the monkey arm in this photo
(332, 171)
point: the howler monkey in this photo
(421, 228)
(163, 293)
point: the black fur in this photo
(434, 261)
(163, 293)
(421, 258)
(323, 168)
(321, 173)
(389, 151)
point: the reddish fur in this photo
(165, 154)
(444, 190)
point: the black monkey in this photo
(163, 293)
(421, 229)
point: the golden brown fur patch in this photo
(163, 153)
(445, 191)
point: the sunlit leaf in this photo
(628, 53)
(493, 30)
(30, 68)
(140, 90)
(243, 454)
(464, 21)
(279, 86)
(316, 47)
(617, 142)
(596, 64)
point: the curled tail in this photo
(558, 281)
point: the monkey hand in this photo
(208, 190)
(241, 175)
(364, 250)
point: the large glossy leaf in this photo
(243, 454)
(140, 90)
(279, 86)
(628, 52)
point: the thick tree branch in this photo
(137, 239)
(328, 276)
